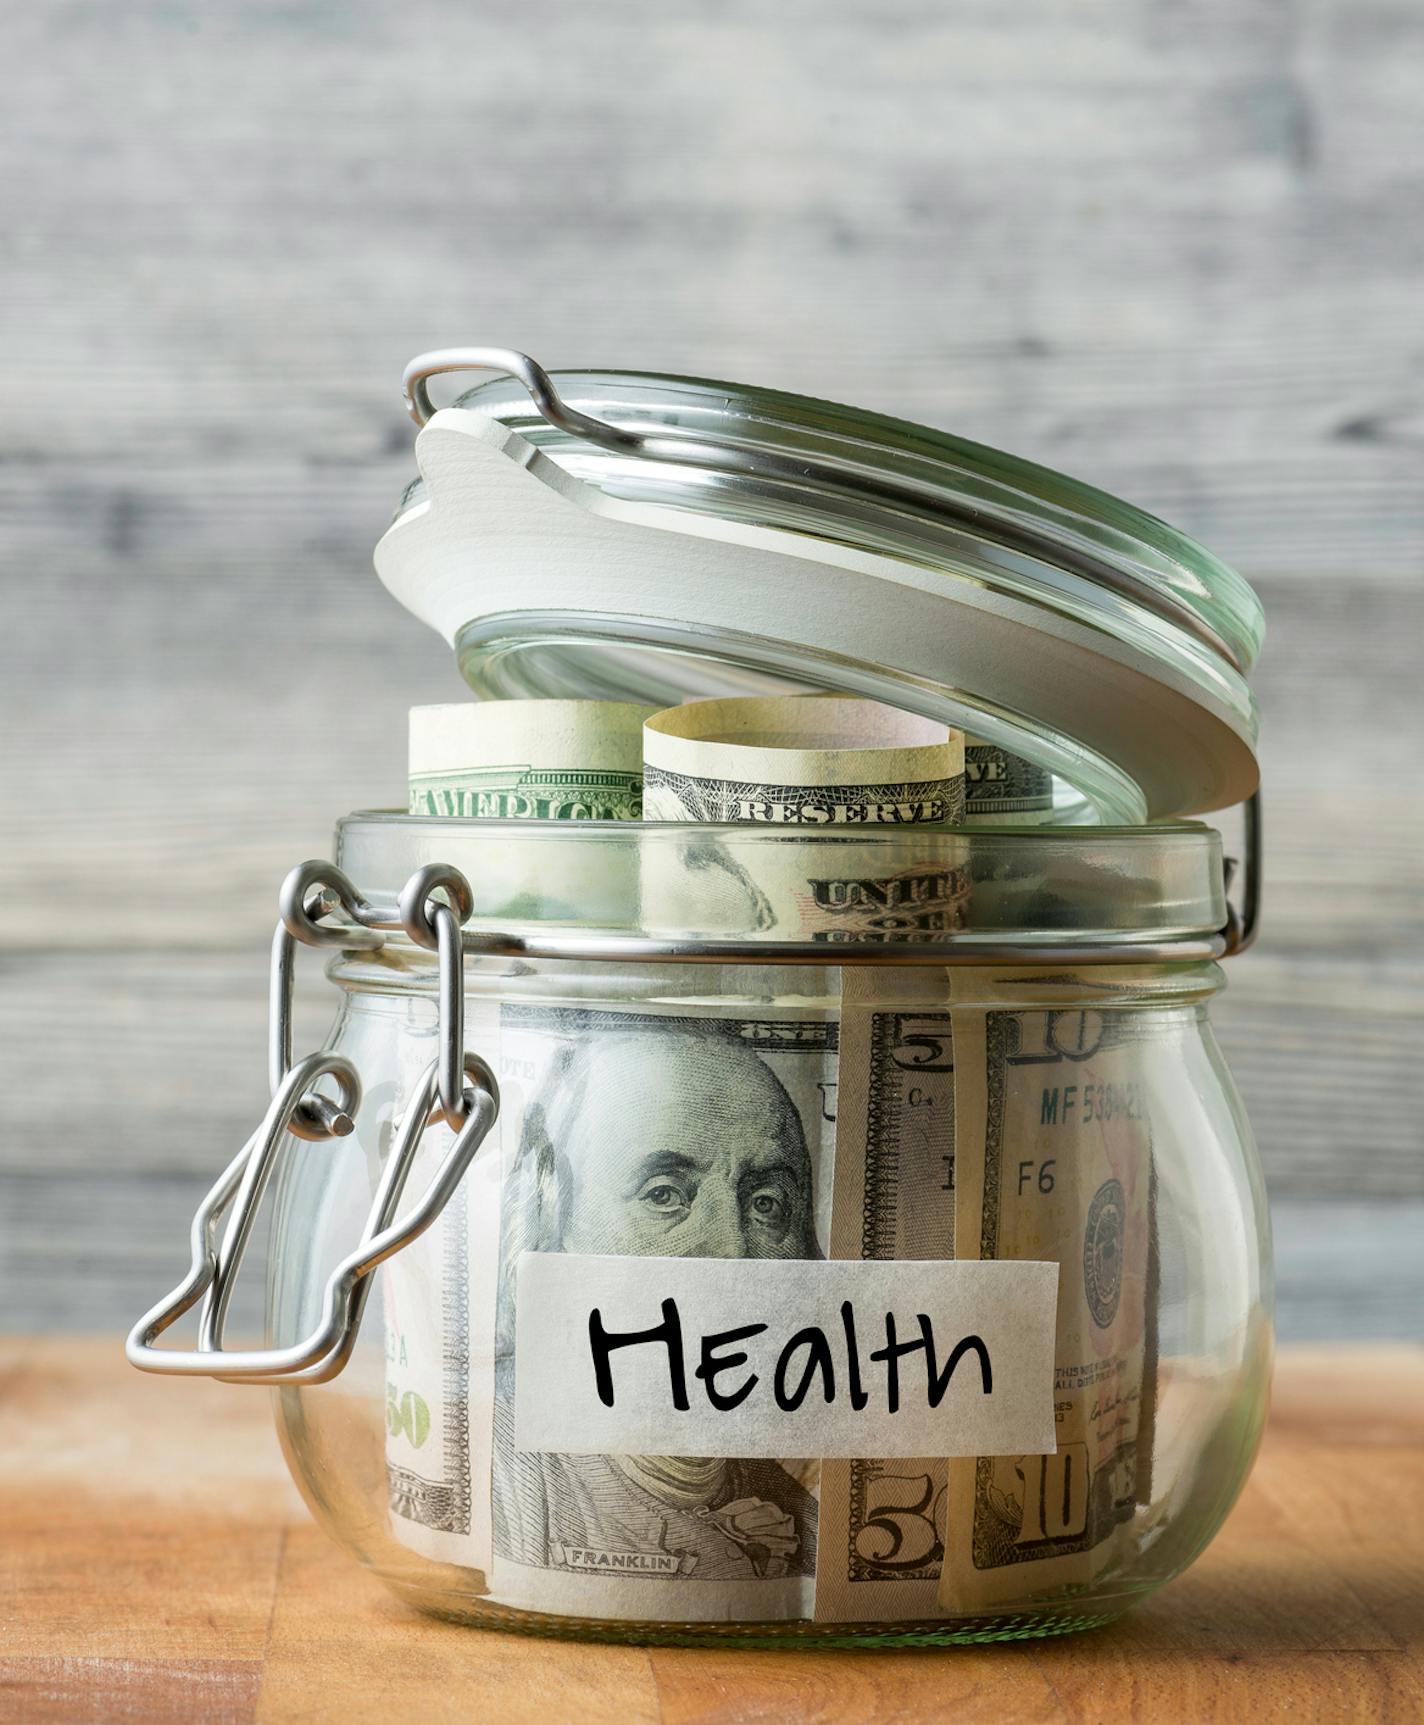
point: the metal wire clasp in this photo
(457, 1088)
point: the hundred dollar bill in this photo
(822, 764)
(883, 1521)
(1002, 789)
(1054, 1161)
(518, 760)
(683, 1133)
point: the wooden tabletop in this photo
(157, 1565)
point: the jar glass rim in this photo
(1064, 888)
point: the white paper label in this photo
(770, 1357)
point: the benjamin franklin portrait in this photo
(666, 1140)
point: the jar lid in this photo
(636, 537)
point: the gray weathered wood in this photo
(1177, 253)
(170, 1046)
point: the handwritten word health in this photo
(772, 1357)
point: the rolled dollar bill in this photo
(1054, 1161)
(882, 1521)
(528, 760)
(812, 765)
(493, 760)
(863, 771)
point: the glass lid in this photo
(1033, 611)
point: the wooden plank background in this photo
(1176, 248)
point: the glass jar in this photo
(1090, 1043)
(966, 1058)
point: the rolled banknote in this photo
(566, 761)
(882, 1521)
(1054, 1161)
(859, 769)
(807, 765)
(494, 760)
